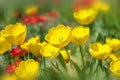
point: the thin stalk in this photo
(22, 53)
(44, 60)
(82, 57)
(53, 64)
(69, 57)
(28, 56)
(55, 67)
(41, 61)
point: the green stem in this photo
(12, 59)
(56, 64)
(22, 53)
(82, 57)
(69, 57)
(44, 63)
(55, 67)
(41, 61)
(28, 57)
(53, 64)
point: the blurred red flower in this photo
(53, 14)
(78, 4)
(33, 20)
(17, 52)
(10, 68)
(17, 62)
(42, 18)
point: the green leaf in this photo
(62, 61)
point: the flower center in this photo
(60, 39)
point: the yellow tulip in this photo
(4, 45)
(31, 10)
(79, 35)
(14, 34)
(100, 6)
(114, 43)
(65, 55)
(49, 51)
(115, 63)
(114, 57)
(33, 45)
(115, 67)
(85, 16)
(99, 51)
(27, 70)
(9, 77)
(59, 36)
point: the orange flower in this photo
(79, 4)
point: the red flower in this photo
(78, 4)
(17, 51)
(26, 20)
(42, 18)
(86, 3)
(10, 68)
(53, 14)
(33, 20)
(17, 62)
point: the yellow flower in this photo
(114, 43)
(115, 67)
(65, 55)
(99, 51)
(27, 70)
(85, 16)
(33, 45)
(115, 63)
(4, 45)
(9, 77)
(14, 34)
(31, 10)
(79, 35)
(59, 36)
(114, 57)
(49, 51)
(100, 6)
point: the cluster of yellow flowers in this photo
(103, 51)
(27, 70)
(14, 35)
(56, 39)
(86, 16)
(98, 50)
(115, 57)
